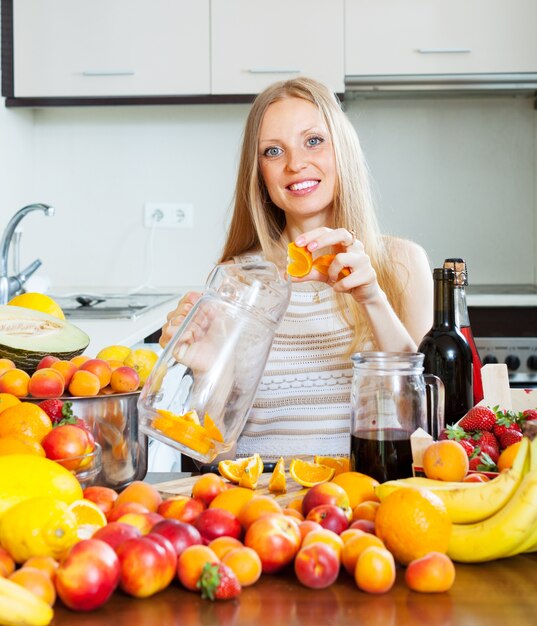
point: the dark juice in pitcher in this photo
(382, 454)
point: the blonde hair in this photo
(257, 223)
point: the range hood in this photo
(438, 84)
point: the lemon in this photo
(114, 353)
(25, 476)
(143, 361)
(38, 302)
(40, 526)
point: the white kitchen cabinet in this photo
(255, 42)
(83, 48)
(387, 37)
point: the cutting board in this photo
(183, 487)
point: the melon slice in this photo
(26, 336)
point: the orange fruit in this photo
(412, 522)
(184, 431)
(191, 562)
(339, 463)
(322, 263)
(277, 482)
(256, 508)
(245, 563)
(299, 261)
(359, 487)
(231, 469)
(19, 444)
(252, 471)
(89, 517)
(37, 581)
(445, 460)
(7, 400)
(15, 382)
(508, 456)
(212, 429)
(26, 419)
(308, 474)
(232, 500)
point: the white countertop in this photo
(501, 300)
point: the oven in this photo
(504, 324)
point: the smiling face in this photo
(297, 162)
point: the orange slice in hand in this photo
(277, 483)
(299, 261)
(322, 263)
(309, 474)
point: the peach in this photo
(207, 487)
(144, 522)
(66, 369)
(375, 570)
(326, 493)
(79, 360)
(329, 516)
(276, 539)
(179, 534)
(141, 492)
(213, 523)
(366, 510)
(353, 548)
(88, 576)
(103, 497)
(181, 508)
(124, 508)
(317, 565)
(124, 379)
(306, 526)
(115, 533)
(432, 573)
(37, 581)
(47, 361)
(66, 444)
(15, 382)
(84, 383)
(46, 383)
(100, 368)
(6, 364)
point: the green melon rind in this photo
(57, 337)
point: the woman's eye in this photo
(273, 151)
(315, 141)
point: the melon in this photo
(26, 336)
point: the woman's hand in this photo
(175, 318)
(361, 282)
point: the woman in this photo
(303, 178)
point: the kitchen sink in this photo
(111, 306)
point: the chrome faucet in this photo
(11, 285)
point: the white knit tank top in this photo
(302, 405)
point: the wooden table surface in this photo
(500, 593)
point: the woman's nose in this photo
(296, 160)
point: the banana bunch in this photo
(20, 607)
(491, 520)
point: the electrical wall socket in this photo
(168, 215)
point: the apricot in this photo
(182, 508)
(256, 508)
(142, 493)
(353, 548)
(37, 581)
(245, 563)
(207, 487)
(6, 364)
(324, 536)
(119, 510)
(15, 382)
(365, 510)
(224, 544)
(432, 573)
(375, 570)
(84, 383)
(46, 383)
(124, 379)
(46, 564)
(445, 460)
(66, 369)
(100, 368)
(47, 361)
(7, 564)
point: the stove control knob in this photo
(532, 362)
(512, 362)
(489, 358)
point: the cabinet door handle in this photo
(108, 73)
(274, 70)
(444, 50)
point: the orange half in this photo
(309, 474)
(299, 261)
(322, 263)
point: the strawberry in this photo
(505, 421)
(456, 433)
(218, 582)
(478, 418)
(468, 446)
(57, 410)
(509, 437)
(488, 444)
(529, 414)
(482, 462)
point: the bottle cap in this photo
(444, 273)
(459, 267)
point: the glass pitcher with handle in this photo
(390, 399)
(200, 391)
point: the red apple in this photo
(276, 539)
(213, 523)
(329, 516)
(115, 533)
(180, 535)
(326, 493)
(182, 508)
(66, 444)
(145, 567)
(317, 565)
(88, 576)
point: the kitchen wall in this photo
(458, 175)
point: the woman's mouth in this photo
(303, 187)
